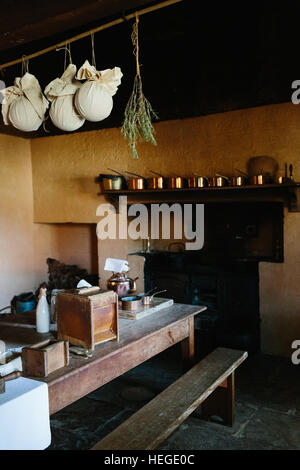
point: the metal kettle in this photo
(121, 284)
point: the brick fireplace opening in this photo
(70, 244)
(224, 275)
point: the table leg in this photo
(188, 347)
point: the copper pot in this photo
(156, 182)
(218, 181)
(175, 182)
(282, 180)
(197, 181)
(148, 299)
(121, 284)
(131, 303)
(260, 179)
(136, 183)
(111, 182)
(238, 181)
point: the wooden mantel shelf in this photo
(285, 193)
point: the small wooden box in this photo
(86, 317)
(43, 358)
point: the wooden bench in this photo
(210, 383)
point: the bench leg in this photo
(221, 402)
(188, 347)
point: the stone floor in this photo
(267, 408)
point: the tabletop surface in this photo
(130, 331)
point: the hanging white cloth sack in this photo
(94, 99)
(61, 93)
(24, 104)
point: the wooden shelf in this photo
(285, 193)
(215, 188)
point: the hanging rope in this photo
(25, 65)
(44, 125)
(137, 124)
(67, 49)
(93, 50)
(135, 42)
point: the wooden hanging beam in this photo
(91, 31)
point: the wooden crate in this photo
(87, 317)
(43, 358)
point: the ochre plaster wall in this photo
(280, 294)
(24, 245)
(64, 168)
(17, 273)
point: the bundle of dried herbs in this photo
(137, 125)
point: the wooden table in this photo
(139, 341)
